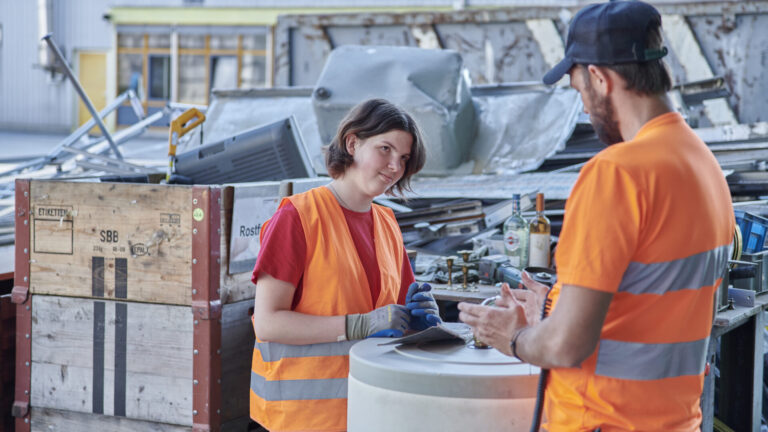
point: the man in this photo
(642, 250)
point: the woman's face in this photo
(379, 161)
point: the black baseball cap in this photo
(607, 34)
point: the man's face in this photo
(599, 108)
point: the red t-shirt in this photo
(284, 249)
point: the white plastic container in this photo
(437, 386)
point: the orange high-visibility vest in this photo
(304, 387)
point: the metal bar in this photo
(129, 132)
(20, 296)
(739, 364)
(5, 211)
(138, 108)
(570, 168)
(38, 163)
(85, 127)
(104, 168)
(185, 106)
(67, 71)
(105, 159)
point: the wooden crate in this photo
(129, 360)
(118, 290)
(7, 353)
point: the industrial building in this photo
(140, 175)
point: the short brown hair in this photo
(650, 77)
(370, 118)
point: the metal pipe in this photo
(129, 132)
(107, 160)
(85, 127)
(105, 168)
(44, 27)
(72, 138)
(67, 71)
(138, 109)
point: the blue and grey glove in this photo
(423, 307)
(386, 321)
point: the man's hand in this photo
(422, 306)
(386, 321)
(531, 299)
(496, 325)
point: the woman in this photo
(332, 269)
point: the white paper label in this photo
(539, 256)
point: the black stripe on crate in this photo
(121, 336)
(98, 357)
(121, 278)
(97, 276)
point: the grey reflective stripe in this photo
(693, 272)
(272, 351)
(331, 388)
(637, 361)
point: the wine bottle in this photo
(516, 236)
(539, 236)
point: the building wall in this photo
(31, 99)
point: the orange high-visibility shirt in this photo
(649, 220)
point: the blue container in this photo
(753, 229)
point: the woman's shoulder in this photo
(286, 213)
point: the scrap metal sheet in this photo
(517, 131)
(552, 185)
(234, 111)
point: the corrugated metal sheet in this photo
(513, 53)
(736, 47)
(363, 3)
(30, 99)
(499, 46)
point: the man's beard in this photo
(602, 117)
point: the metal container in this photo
(544, 275)
(437, 386)
(759, 283)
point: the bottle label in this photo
(539, 256)
(511, 241)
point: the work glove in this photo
(386, 321)
(422, 306)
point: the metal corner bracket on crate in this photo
(206, 307)
(20, 296)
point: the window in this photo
(253, 72)
(222, 42)
(129, 72)
(215, 57)
(192, 85)
(223, 72)
(130, 40)
(191, 41)
(159, 41)
(160, 77)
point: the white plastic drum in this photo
(437, 386)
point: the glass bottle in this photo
(516, 236)
(539, 236)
